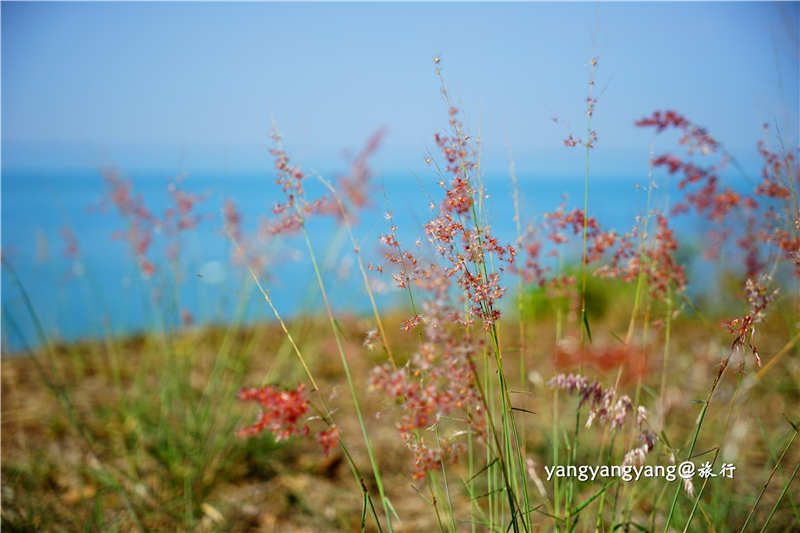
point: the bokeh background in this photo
(160, 91)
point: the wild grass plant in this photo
(452, 412)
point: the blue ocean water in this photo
(103, 288)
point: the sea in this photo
(50, 294)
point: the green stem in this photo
(766, 483)
(696, 433)
(783, 493)
(346, 366)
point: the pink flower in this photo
(281, 411)
(328, 439)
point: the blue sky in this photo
(196, 84)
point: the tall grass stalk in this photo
(468, 485)
(698, 425)
(510, 432)
(509, 426)
(556, 488)
(700, 493)
(346, 367)
(446, 487)
(434, 501)
(305, 318)
(357, 251)
(640, 281)
(584, 320)
(769, 478)
(267, 299)
(325, 413)
(780, 498)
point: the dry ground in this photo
(74, 450)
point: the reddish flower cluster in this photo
(592, 141)
(744, 329)
(180, 216)
(328, 439)
(655, 260)
(411, 323)
(591, 103)
(120, 194)
(407, 264)
(560, 228)
(464, 249)
(571, 141)
(281, 412)
(233, 220)
(458, 155)
(142, 224)
(438, 380)
(710, 200)
(354, 187)
(775, 229)
(140, 221)
(457, 237)
(427, 458)
(780, 228)
(773, 173)
(532, 271)
(250, 249)
(706, 198)
(663, 120)
(290, 180)
(559, 222)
